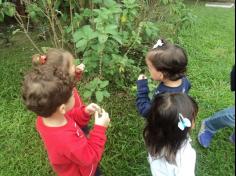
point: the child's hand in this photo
(102, 119)
(79, 69)
(142, 76)
(92, 108)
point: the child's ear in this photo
(162, 76)
(62, 109)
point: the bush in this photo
(110, 37)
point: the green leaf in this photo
(97, 1)
(87, 94)
(118, 39)
(32, 14)
(49, 1)
(109, 3)
(111, 29)
(90, 63)
(77, 62)
(104, 84)
(87, 12)
(102, 38)
(88, 32)
(164, 2)
(45, 49)
(57, 4)
(1, 16)
(9, 9)
(81, 45)
(106, 94)
(99, 96)
(78, 35)
(98, 48)
(92, 85)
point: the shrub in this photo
(110, 37)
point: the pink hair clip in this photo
(42, 59)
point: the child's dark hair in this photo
(45, 88)
(162, 135)
(54, 57)
(169, 59)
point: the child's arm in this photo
(78, 100)
(86, 152)
(89, 151)
(78, 112)
(82, 114)
(143, 102)
(79, 115)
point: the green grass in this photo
(210, 46)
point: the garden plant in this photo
(111, 38)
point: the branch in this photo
(21, 23)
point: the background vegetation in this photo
(101, 33)
(207, 35)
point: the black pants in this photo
(85, 129)
(98, 172)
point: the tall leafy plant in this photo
(110, 37)
(105, 42)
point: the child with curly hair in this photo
(63, 59)
(48, 91)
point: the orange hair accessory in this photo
(42, 59)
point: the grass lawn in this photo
(210, 46)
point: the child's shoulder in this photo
(187, 147)
(186, 81)
(45, 128)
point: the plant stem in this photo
(21, 23)
(72, 26)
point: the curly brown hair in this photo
(55, 57)
(45, 88)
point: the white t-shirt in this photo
(185, 163)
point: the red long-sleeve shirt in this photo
(78, 101)
(70, 152)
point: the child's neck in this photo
(170, 83)
(56, 120)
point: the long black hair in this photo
(162, 135)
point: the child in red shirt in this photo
(47, 91)
(64, 60)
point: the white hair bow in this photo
(159, 43)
